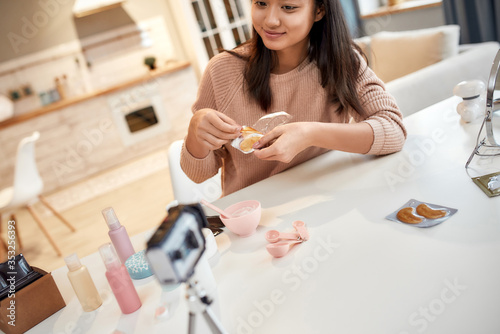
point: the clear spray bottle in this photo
(118, 235)
(119, 280)
(82, 283)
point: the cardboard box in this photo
(30, 305)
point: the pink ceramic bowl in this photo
(245, 217)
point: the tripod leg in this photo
(192, 323)
(212, 321)
(199, 302)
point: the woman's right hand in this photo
(208, 131)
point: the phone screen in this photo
(215, 225)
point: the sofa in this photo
(421, 67)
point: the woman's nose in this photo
(272, 17)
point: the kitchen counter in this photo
(170, 67)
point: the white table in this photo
(359, 273)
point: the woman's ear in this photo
(320, 12)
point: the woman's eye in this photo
(287, 8)
(260, 3)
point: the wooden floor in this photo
(139, 205)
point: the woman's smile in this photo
(273, 34)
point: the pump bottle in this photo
(119, 280)
(82, 283)
(118, 235)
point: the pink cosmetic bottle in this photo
(119, 280)
(118, 235)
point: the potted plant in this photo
(151, 62)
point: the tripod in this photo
(199, 302)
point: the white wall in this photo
(368, 6)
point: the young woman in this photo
(301, 60)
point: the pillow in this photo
(395, 54)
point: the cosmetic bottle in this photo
(118, 235)
(119, 280)
(82, 283)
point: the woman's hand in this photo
(208, 131)
(284, 142)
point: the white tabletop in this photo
(359, 272)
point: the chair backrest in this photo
(27, 181)
(185, 190)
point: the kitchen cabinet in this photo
(152, 75)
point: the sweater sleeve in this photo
(196, 169)
(384, 115)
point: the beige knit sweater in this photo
(300, 94)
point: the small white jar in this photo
(472, 94)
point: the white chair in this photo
(185, 190)
(27, 189)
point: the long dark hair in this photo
(331, 47)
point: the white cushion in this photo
(435, 83)
(395, 54)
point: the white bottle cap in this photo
(73, 262)
(469, 89)
(109, 257)
(111, 219)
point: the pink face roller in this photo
(300, 226)
(281, 248)
(275, 236)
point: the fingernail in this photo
(256, 144)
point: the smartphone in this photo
(215, 225)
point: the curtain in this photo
(479, 20)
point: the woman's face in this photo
(284, 25)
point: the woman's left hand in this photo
(283, 143)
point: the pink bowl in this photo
(246, 217)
